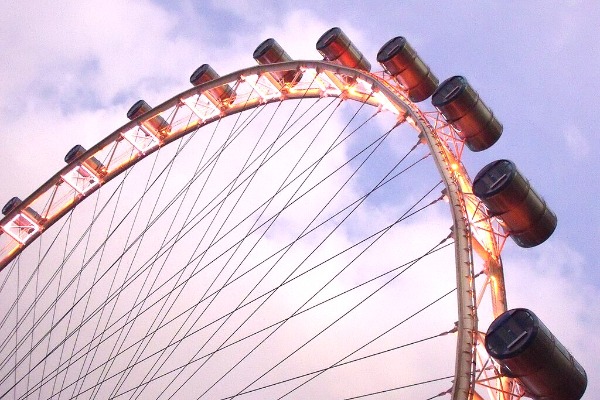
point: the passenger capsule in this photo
(220, 94)
(402, 62)
(14, 203)
(11, 205)
(157, 123)
(528, 351)
(510, 197)
(270, 52)
(92, 163)
(335, 46)
(463, 108)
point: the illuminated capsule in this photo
(157, 123)
(335, 46)
(205, 73)
(14, 203)
(463, 108)
(92, 163)
(528, 351)
(402, 62)
(510, 197)
(270, 52)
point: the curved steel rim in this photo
(362, 86)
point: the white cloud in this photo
(72, 77)
(102, 45)
(577, 144)
(551, 281)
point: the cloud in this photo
(576, 143)
(552, 282)
(74, 68)
(101, 47)
(72, 77)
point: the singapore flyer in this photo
(307, 208)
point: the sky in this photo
(70, 71)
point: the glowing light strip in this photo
(386, 104)
(13, 225)
(213, 111)
(252, 80)
(367, 85)
(315, 78)
(411, 121)
(81, 179)
(132, 137)
(330, 87)
(478, 221)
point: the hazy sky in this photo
(70, 71)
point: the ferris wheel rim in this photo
(467, 324)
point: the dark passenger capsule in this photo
(510, 197)
(335, 46)
(92, 163)
(205, 73)
(16, 202)
(528, 351)
(402, 62)
(270, 52)
(464, 109)
(157, 123)
(202, 74)
(11, 205)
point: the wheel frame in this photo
(473, 228)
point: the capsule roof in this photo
(492, 178)
(10, 205)
(391, 49)
(449, 90)
(74, 152)
(328, 37)
(198, 73)
(135, 108)
(262, 48)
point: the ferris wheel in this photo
(295, 229)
